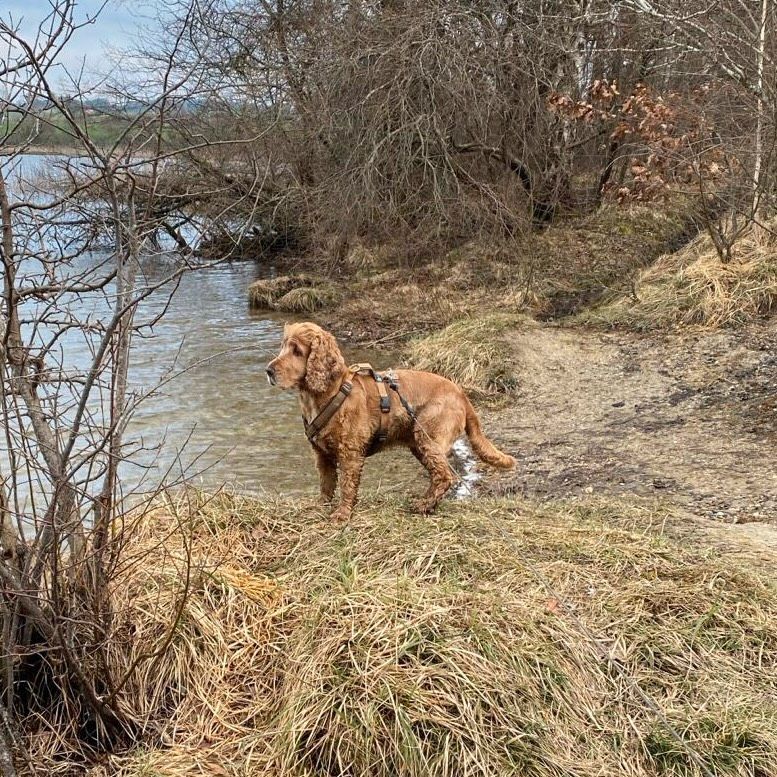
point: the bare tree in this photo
(404, 121)
(729, 47)
(77, 232)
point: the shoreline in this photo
(65, 151)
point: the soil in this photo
(689, 419)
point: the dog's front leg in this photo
(350, 476)
(327, 475)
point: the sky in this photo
(115, 26)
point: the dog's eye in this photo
(296, 350)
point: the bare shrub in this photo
(78, 231)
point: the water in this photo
(233, 424)
(215, 420)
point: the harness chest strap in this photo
(316, 426)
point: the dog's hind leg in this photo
(434, 457)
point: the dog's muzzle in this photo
(271, 379)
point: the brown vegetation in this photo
(401, 646)
(473, 352)
(421, 123)
(291, 294)
(430, 161)
(695, 286)
(549, 274)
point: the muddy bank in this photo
(690, 420)
(383, 294)
(686, 417)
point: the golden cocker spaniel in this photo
(440, 412)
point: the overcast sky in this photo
(115, 26)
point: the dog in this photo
(437, 413)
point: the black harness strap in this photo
(409, 409)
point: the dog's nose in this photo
(271, 375)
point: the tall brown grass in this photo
(695, 287)
(473, 352)
(407, 646)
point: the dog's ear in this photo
(325, 363)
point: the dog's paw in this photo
(340, 515)
(424, 506)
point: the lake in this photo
(217, 419)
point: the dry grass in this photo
(575, 263)
(264, 292)
(306, 299)
(693, 287)
(406, 302)
(408, 646)
(472, 352)
(291, 294)
(385, 292)
(394, 305)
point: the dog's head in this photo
(309, 359)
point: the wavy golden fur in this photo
(311, 362)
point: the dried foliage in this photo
(407, 646)
(435, 122)
(291, 294)
(472, 352)
(694, 287)
(666, 141)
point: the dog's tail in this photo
(483, 447)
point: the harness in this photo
(318, 424)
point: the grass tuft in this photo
(305, 299)
(694, 287)
(264, 292)
(472, 352)
(291, 294)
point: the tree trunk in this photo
(759, 126)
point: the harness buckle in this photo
(385, 404)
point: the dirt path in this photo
(690, 420)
